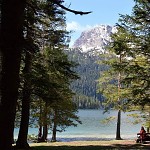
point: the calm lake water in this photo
(92, 128)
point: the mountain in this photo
(85, 52)
(95, 38)
(88, 70)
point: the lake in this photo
(92, 128)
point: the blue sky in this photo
(103, 12)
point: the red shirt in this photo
(142, 134)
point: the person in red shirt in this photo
(142, 134)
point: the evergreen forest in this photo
(88, 70)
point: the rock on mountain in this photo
(95, 38)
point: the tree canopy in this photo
(125, 83)
(18, 19)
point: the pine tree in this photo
(26, 92)
(131, 45)
(12, 16)
(110, 82)
(63, 115)
(12, 44)
(138, 67)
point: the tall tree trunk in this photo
(54, 133)
(12, 14)
(40, 124)
(54, 127)
(23, 132)
(45, 129)
(45, 132)
(39, 134)
(118, 137)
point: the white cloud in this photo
(75, 26)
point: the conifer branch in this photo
(71, 10)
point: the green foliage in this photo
(32, 137)
(88, 70)
(108, 120)
(130, 49)
(141, 115)
(138, 67)
(52, 75)
(64, 115)
(86, 102)
(126, 79)
(136, 118)
(110, 81)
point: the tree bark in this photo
(40, 124)
(45, 126)
(39, 134)
(45, 132)
(118, 137)
(23, 132)
(54, 127)
(11, 35)
(54, 134)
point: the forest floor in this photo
(91, 145)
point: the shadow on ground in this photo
(91, 147)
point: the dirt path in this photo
(93, 143)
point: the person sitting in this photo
(142, 134)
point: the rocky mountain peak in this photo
(95, 38)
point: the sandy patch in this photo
(86, 143)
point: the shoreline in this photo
(83, 139)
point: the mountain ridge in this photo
(86, 52)
(95, 38)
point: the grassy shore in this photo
(91, 145)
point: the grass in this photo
(88, 145)
(114, 147)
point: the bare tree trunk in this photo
(118, 137)
(54, 133)
(39, 134)
(45, 132)
(40, 124)
(45, 129)
(12, 15)
(23, 132)
(54, 127)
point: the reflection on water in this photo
(92, 128)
